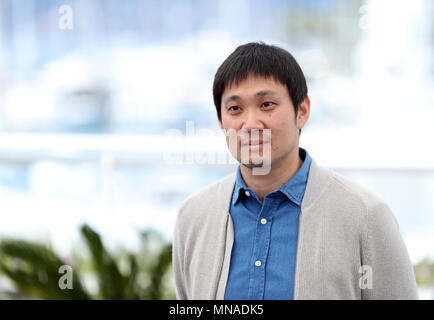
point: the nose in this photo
(252, 121)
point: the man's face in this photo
(257, 104)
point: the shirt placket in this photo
(260, 251)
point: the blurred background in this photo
(107, 123)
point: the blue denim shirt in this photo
(264, 251)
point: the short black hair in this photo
(260, 59)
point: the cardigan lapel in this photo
(224, 194)
(316, 184)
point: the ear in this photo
(220, 124)
(303, 112)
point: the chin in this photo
(260, 163)
(252, 165)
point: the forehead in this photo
(252, 84)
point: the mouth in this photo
(254, 145)
(253, 142)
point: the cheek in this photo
(282, 135)
(228, 123)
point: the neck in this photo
(279, 174)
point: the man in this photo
(294, 231)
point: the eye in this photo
(233, 108)
(267, 104)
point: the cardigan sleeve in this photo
(387, 272)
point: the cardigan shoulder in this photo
(352, 190)
(206, 206)
(350, 196)
(355, 204)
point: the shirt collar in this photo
(293, 189)
(239, 186)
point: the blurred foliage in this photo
(34, 270)
(424, 271)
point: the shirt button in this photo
(247, 193)
(258, 263)
(263, 221)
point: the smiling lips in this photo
(254, 144)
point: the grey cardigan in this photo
(349, 245)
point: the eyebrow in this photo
(261, 93)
